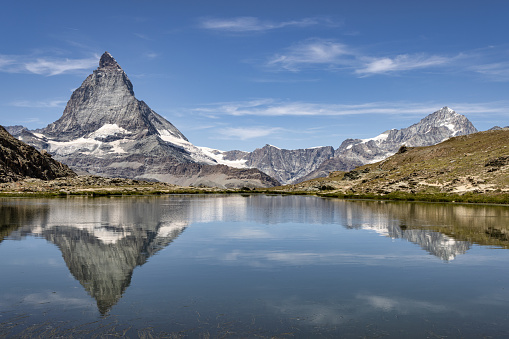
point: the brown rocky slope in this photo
(477, 163)
(19, 161)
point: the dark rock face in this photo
(106, 98)
(433, 129)
(104, 130)
(19, 161)
(286, 166)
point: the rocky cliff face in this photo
(286, 166)
(19, 160)
(105, 130)
(433, 129)
(293, 166)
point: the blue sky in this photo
(240, 74)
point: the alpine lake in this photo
(252, 266)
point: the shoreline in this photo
(149, 190)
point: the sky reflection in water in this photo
(245, 266)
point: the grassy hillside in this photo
(464, 166)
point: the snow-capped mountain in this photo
(105, 130)
(433, 129)
(293, 166)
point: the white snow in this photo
(195, 152)
(218, 156)
(69, 147)
(39, 135)
(107, 130)
(378, 139)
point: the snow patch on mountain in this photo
(218, 156)
(108, 130)
(195, 152)
(379, 138)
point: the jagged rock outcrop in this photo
(19, 161)
(286, 166)
(105, 130)
(433, 129)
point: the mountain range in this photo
(473, 164)
(294, 166)
(105, 130)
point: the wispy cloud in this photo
(39, 104)
(245, 133)
(495, 71)
(313, 52)
(399, 63)
(253, 24)
(273, 107)
(45, 66)
(330, 54)
(276, 108)
(55, 67)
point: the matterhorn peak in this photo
(108, 62)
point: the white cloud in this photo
(403, 62)
(245, 133)
(313, 52)
(278, 108)
(5, 61)
(45, 66)
(330, 54)
(253, 24)
(55, 66)
(39, 104)
(273, 107)
(495, 71)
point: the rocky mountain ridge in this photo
(431, 130)
(19, 161)
(476, 163)
(293, 166)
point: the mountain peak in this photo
(447, 110)
(108, 62)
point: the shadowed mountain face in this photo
(105, 130)
(19, 160)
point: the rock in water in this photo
(105, 130)
(19, 161)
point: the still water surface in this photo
(252, 266)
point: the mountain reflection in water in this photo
(103, 240)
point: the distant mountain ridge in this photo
(477, 163)
(431, 130)
(293, 166)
